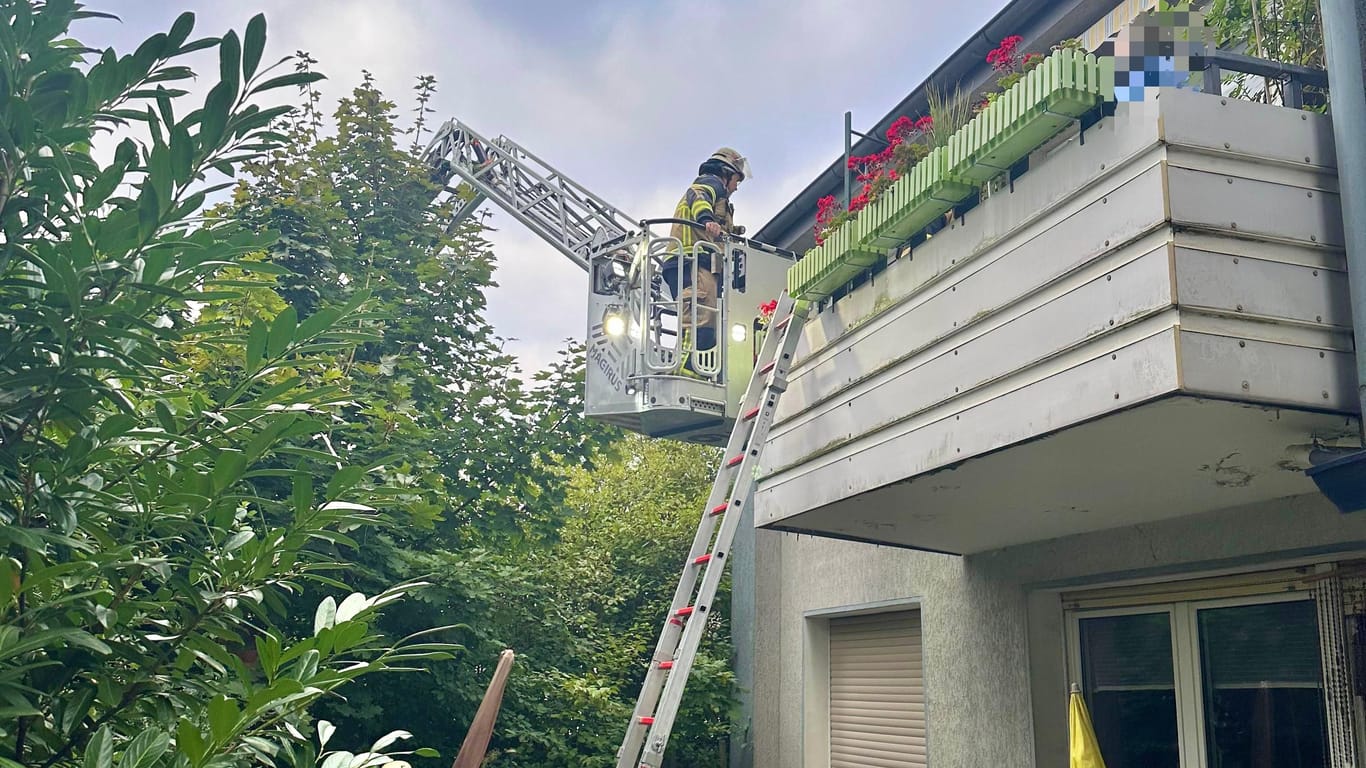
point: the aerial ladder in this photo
(642, 374)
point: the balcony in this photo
(1152, 322)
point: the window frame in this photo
(1188, 676)
(815, 689)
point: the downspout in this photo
(1343, 479)
(1347, 91)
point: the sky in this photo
(625, 97)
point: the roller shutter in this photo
(877, 692)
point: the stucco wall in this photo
(993, 622)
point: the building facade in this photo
(1064, 441)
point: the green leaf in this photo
(149, 212)
(75, 708)
(198, 45)
(268, 654)
(283, 81)
(182, 154)
(228, 469)
(282, 332)
(215, 117)
(190, 742)
(145, 749)
(99, 753)
(9, 582)
(165, 417)
(223, 714)
(426, 752)
(230, 62)
(256, 345)
(307, 668)
(238, 540)
(180, 30)
(344, 480)
(266, 438)
(303, 495)
(254, 45)
(316, 323)
(326, 615)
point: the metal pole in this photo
(848, 150)
(1347, 94)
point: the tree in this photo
(358, 212)
(583, 615)
(155, 515)
(1289, 31)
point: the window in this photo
(876, 692)
(1178, 681)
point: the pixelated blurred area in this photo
(1159, 49)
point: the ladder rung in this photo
(719, 508)
(701, 560)
(752, 412)
(666, 665)
(735, 460)
(684, 612)
(647, 720)
(767, 367)
(781, 324)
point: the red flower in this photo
(899, 129)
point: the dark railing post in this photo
(1214, 79)
(848, 150)
(1292, 93)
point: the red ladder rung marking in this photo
(646, 720)
(781, 324)
(751, 413)
(767, 367)
(684, 612)
(719, 508)
(701, 560)
(666, 665)
(735, 461)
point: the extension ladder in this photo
(648, 732)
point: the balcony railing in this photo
(1068, 88)
(1293, 76)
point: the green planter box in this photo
(825, 268)
(916, 199)
(1063, 87)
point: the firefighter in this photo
(707, 202)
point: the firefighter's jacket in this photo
(706, 200)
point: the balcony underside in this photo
(1173, 457)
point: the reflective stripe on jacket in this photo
(704, 201)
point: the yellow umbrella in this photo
(1085, 750)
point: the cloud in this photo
(625, 98)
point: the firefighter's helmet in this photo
(731, 161)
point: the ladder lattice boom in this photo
(565, 214)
